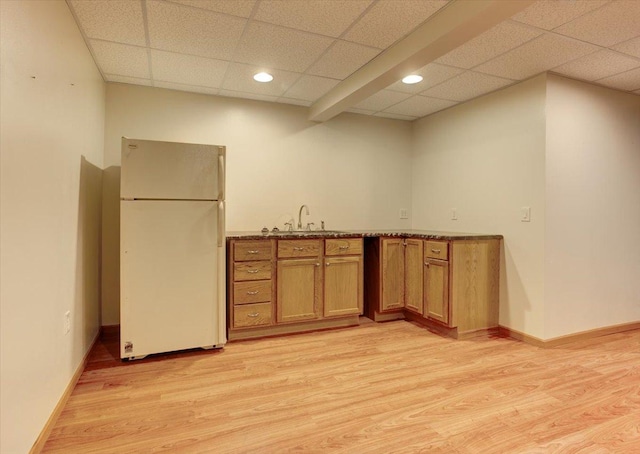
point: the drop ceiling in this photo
(315, 47)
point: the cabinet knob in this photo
(328, 263)
(318, 264)
(426, 264)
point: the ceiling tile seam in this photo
(606, 5)
(145, 23)
(595, 83)
(631, 57)
(460, 75)
(254, 10)
(284, 94)
(618, 74)
(87, 40)
(182, 5)
(356, 20)
(570, 20)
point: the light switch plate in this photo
(454, 214)
(525, 214)
(404, 213)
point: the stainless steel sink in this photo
(306, 232)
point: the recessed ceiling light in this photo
(412, 79)
(263, 77)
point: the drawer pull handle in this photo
(252, 271)
(253, 252)
(254, 315)
(343, 247)
(255, 292)
(435, 251)
(298, 248)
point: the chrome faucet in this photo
(300, 216)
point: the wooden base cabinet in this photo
(317, 283)
(450, 286)
(343, 277)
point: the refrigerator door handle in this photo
(221, 172)
(221, 231)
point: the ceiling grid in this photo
(312, 47)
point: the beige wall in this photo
(52, 127)
(485, 158)
(592, 239)
(353, 171)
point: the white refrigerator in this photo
(172, 247)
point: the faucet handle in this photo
(289, 226)
(309, 225)
(321, 225)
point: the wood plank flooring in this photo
(378, 388)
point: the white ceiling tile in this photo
(127, 80)
(316, 16)
(432, 73)
(111, 20)
(631, 47)
(187, 69)
(541, 54)
(622, 19)
(498, 40)
(310, 88)
(419, 106)
(597, 65)
(114, 58)
(188, 88)
(294, 102)
(239, 78)
(276, 47)
(343, 59)
(394, 116)
(549, 14)
(389, 20)
(381, 100)
(360, 111)
(467, 86)
(628, 81)
(255, 96)
(193, 31)
(241, 8)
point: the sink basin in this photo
(306, 232)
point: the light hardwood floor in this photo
(386, 387)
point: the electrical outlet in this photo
(525, 214)
(67, 322)
(454, 214)
(404, 213)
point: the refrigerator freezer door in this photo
(170, 277)
(174, 171)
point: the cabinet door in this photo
(413, 275)
(299, 290)
(436, 290)
(392, 274)
(343, 286)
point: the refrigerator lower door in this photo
(171, 270)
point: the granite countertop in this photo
(424, 234)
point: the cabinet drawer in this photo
(436, 250)
(299, 248)
(251, 271)
(252, 250)
(251, 292)
(343, 246)
(251, 315)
